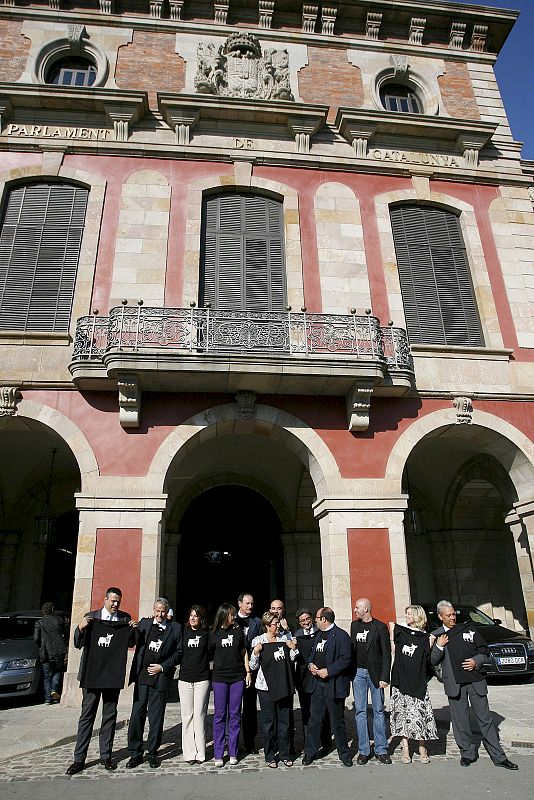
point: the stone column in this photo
(363, 554)
(118, 544)
(521, 523)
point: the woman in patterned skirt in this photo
(411, 714)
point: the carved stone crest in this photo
(239, 68)
(9, 397)
(464, 410)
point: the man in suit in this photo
(371, 649)
(251, 627)
(304, 680)
(329, 665)
(462, 651)
(158, 651)
(91, 695)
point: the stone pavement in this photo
(48, 732)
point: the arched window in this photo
(243, 253)
(437, 291)
(396, 97)
(40, 243)
(76, 71)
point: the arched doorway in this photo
(229, 543)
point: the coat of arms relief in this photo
(239, 68)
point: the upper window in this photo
(40, 242)
(396, 97)
(437, 292)
(72, 72)
(243, 253)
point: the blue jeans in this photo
(51, 679)
(361, 685)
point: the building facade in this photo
(266, 307)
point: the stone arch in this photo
(243, 180)
(140, 260)
(473, 245)
(71, 435)
(302, 440)
(51, 167)
(341, 250)
(510, 447)
(485, 468)
(236, 479)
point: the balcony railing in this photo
(208, 331)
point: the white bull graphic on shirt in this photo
(279, 654)
(362, 637)
(155, 646)
(468, 636)
(195, 642)
(409, 650)
(320, 646)
(228, 641)
(104, 641)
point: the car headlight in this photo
(21, 663)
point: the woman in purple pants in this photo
(230, 675)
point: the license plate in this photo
(511, 660)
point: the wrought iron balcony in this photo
(203, 349)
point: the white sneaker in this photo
(219, 762)
(233, 761)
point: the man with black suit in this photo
(83, 640)
(158, 651)
(462, 651)
(329, 665)
(251, 627)
(304, 680)
(371, 649)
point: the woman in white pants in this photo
(194, 685)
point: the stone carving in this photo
(372, 26)
(9, 396)
(129, 401)
(266, 11)
(221, 11)
(245, 404)
(400, 65)
(456, 35)
(328, 19)
(417, 29)
(75, 35)
(478, 38)
(531, 193)
(239, 68)
(156, 8)
(309, 17)
(176, 7)
(107, 6)
(358, 408)
(464, 410)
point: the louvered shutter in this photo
(437, 292)
(243, 253)
(39, 252)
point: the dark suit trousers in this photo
(321, 701)
(249, 717)
(91, 699)
(305, 713)
(461, 726)
(146, 699)
(275, 721)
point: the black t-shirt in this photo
(277, 669)
(195, 665)
(412, 652)
(361, 633)
(319, 657)
(228, 655)
(150, 655)
(465, 642)
(107, 650)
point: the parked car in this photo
(511, 653)
(20, 669)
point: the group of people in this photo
(245, 659)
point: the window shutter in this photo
(437, 292)
(40, 246)
(242, 252)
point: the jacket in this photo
(169, 654)
(377, 648)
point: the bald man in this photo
(371, 651)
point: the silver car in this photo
(20, 669)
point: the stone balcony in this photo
(140, 349)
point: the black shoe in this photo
(307, 760)
(134, 762)
(347, 761)
(108, 764)
(75, 767)
(361, 760)
(465, 762)
(153, 761)
(507, 764)
(383, 758)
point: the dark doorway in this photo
(230, 543)
(60, 563)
